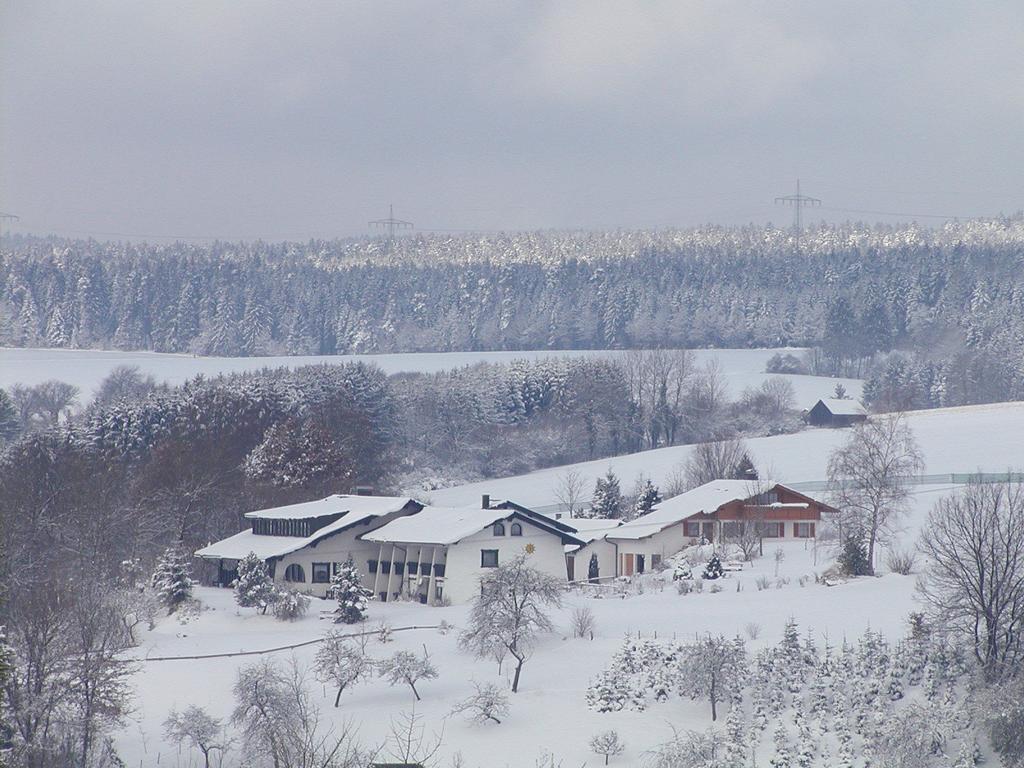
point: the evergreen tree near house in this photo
(854, 557)
(607, 501)
(646, 498)
(347, 588)
(254, 588)
(593, 568)
(713, 570)
(172, 578)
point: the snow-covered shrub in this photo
(444, 627)
(901, 561)
(384, 633)
(172, 578)
(684, 587)
(715, 588)
(583, 622)
(347, 588)
(290, 605)
(698, 585)
(254, 588)
(489, 702)
(752, 630)
(713, 570)
(762, 583)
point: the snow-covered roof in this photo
(333, 505)
(590, 529)
(354, 510)
(438, 525)
(844, 407)
(448, 525)
(704, 498)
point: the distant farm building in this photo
(831, 412)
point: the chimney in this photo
(485, 501)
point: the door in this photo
(639, 563)
(709, 531)
(570, 567)
(627, 565)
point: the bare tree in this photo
(510, 612)
(408, 742)
(711, 669)
(343, 662)
(973, 581)
(280, 725)
(658, 381)
(55, 397)
(125, 382)
(868, 480)
(607, 743)
(714, 461)
(195, 726)
(406, 667)
(569, 491)
(583, 622)
(487, 703)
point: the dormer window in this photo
(499, 529)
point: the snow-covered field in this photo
(965, 439)
(550, 713)
(85, 369)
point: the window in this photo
(294, 572)
(769, 497)
(691, 529)
(488, 558)
(371, 566)
(803, 530)
(499, 529)
(517, 529)
(321, 573)
(385, 566)
(412, 567)
(774, 530)
(399, 567)
(438, 570)
(655, 562)
(730, 530)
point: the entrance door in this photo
(709, 531)
(627, 565)
(570, 567)
(639, 563)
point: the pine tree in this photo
(713, 570)
(647, 496)
(347, 588)
(782, 757)
(607, 501)
(736, 738)
(253, 588)
(172, 579)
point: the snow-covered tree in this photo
(647, 496)
(172, 578)
(347, 588)
(196, 727)
(713, 569)
(342, 662)
(606, 693)
(511, 611)
(254, 588)
(711, 669)
(607, 744)
(488, 702)
(607, 499)
(406, 667)
(289, 605)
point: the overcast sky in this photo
(247, 119)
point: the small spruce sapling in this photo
(347, 588)
(172, 579)
(254, 588)
(713, 570)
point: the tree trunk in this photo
(515, 680)
(337, 699)
(414, 691)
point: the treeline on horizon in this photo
(948, 301)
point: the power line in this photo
(5, 217)
(390, 224)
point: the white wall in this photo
(606, 560)
(463, 571)
(665, 543)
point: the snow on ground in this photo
(965, 439)
(85, 369)
(550, 712)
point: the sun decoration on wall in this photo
(529, 549)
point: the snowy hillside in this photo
(964, 439)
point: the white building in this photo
(441, 553)
(597, 558)
(303, 543)
(401, 548)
